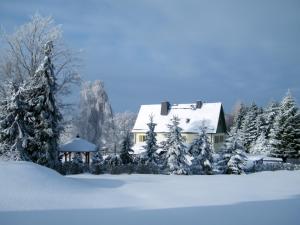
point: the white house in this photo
(191, 116)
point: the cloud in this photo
(150, 50)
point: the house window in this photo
(218, 139)
(221, 138)
(142, 138)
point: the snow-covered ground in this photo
(31, 194)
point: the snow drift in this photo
(31, 194)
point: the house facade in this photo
(192, 116)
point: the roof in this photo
(191, 118)
(78, 145)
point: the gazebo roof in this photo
(78, 145)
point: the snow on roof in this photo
(191, 118)
(78, 145)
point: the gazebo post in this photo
(65, 157)
(69, 156)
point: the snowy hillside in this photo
(31, 194)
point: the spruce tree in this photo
(239, 118)
(261, 146)
(249, 127)
(201, 151)
(77, 163)
(151, 145)
(232, 160)
(96, 163)
(286, 131)
(270, 113)
(45, 113)
(126, 149)
(14, 130)
(175, 149)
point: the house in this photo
(191, 116)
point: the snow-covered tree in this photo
(261, 146)
(151, 145)
(95, 120)
(125, 155)
(46, 116)
(249, 126)
(14, 131)
(232, 160)
(175, 149)
(31, 118)
(123, 123)
(239, 115)
(96, 163)
(270, 113)
(77, 163)
(285, 134)
(22, 53)
(201, 151)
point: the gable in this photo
(221, 128)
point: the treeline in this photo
(273, 130)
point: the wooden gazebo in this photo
(78, 145)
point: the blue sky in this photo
(148, 51)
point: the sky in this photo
(148, 51)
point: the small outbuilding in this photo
(76, 145)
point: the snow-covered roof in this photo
(78, 145)
(191, 118)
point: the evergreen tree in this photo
(175, 149)
(201, 150)
(151, 145)
(261, 146)
(232, 160)
(286, 131)
(45, 113)
(249, 127)
(77, 163)
(96, 164)
(239, 118)
(269, 115)
(125, 155)
(14, 131)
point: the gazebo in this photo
(76, 145)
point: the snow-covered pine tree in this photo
(96, 163)
(14, 130)
(239, 116)
(249, 127)
(125, 155)
(286, 131)
(261, 146)
(201, 150)
(270, 113)
(45, 115)
(261, 124)
(77, 163)
(232, 159)
(175, 149)
(151, 145)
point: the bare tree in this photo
(22, 53)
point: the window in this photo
(218, 139)
(142, 138)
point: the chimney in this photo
(164, 108)
(199, 104)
